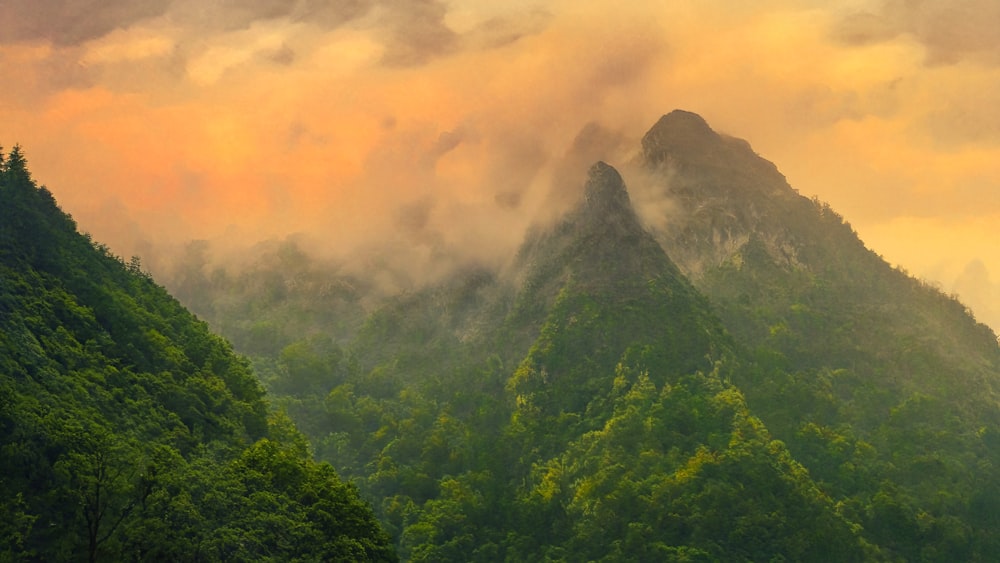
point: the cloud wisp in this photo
(437, 132)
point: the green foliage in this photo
(128, 431)
(878, 384)
(583, 416)
(799, 400)
(639, 486)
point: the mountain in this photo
(741, 379)
(886, 389)
(625, 430)
(726, 194)
(751, 243)
(609, 294)
(491, 417)
(128, 431)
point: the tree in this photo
(16, 166)
(100, 477)
(126, 427)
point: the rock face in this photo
(605, 189)
(606, 208)
(727, 196)
(683, 140)
(601, 243)
(679, 132)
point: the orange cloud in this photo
(449, 137)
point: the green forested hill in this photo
(632, 442)
(885, 389)
(578, 409)
(128, 431)
(747, 383)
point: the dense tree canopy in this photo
(783, 394)
(128, 431)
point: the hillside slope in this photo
(746, 381)
(577, 408)
(886, 389)
(128, 431)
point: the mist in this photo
(430, 136)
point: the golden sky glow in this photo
(440, 127)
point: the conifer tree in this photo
(16, 166)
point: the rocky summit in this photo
(605, 189)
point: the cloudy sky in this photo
(441, 125)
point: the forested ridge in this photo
(883, 387)
(130, 432)
(748, 383)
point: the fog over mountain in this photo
(683, 358)
(444, 129)
(723, 372)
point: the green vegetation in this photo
(128, 431)
(886, 390)
(748, 384)
(615, 436)
(806, 402)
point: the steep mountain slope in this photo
(736, 207)
(884, 388)
(748, 382)
(608, 294)
(740, 222)
(575, 410)
(128, 431)
(630, 436)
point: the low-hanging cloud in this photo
(951, 31)
(415, 32)
(71, 22)
(431, 134)
(975, 287)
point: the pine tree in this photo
(15, 167)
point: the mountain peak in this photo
(601, 242)
(680, 118)
(606, 206)
(683, 140)
(605, 189)
(681, 132)
(725, 192)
